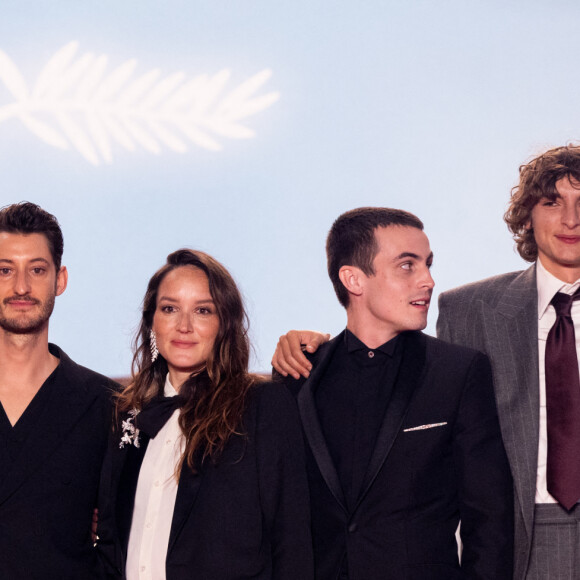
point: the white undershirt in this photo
(155, 501)
(548, 285)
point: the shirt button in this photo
(168, 442)
(371, 354)
(148, 525)
(156, 484)
(352, 528)
(142, 568)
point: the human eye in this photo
(407, 265)
(204, 310)
(38, 270)
(547, 202)
(4, 271)
(168, 309)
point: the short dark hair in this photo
(351, 241)
(29, 218)
(538, 179)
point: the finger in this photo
(315, 340)
(291, 357)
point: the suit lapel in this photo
(511, 338)
(187, 491)
(408, 378)
(126, 466)
(65, 406)
(311, 422)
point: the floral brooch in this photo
(130, 432)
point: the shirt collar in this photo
(169, 389)
(354, 344)
(548, 286)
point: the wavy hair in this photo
(538, 179)
(215, 396)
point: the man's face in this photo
(397, 297)
(29, 283)
(556, 224)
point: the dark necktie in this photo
(156, 413)
(563, 405)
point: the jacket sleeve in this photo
(485, 483)
(283, 484)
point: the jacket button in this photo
(352, 528)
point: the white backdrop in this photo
(428, 106)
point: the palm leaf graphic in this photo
(76, 103)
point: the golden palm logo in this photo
(75, 103)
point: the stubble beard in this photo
(23, 325)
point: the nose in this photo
(185, 323)
(21, 283)
(427, 280)
(571, 215)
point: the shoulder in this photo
(482, 288)
(270, 397)
(83, 378)
(452, 356)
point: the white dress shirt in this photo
(155, 500)
(548, 285)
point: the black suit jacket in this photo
(439, 457)
(48, 497)
(245, 517)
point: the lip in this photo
(183, 344)
(567, 239)
(426, 299)
(21, 303)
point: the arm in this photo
(284, 490)
(484, 480)
(289, 357)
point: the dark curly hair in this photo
(538, 179)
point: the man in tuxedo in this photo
(402, 434)
(54, 414)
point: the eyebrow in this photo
(169, 299)
(42, 260)
(413, 255)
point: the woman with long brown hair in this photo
(205, 477)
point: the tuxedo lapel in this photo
(408, 378)
(64, 408)
(511, 338)
(187, 491)
(311, 422)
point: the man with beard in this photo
(54, 414)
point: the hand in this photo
(289, 357)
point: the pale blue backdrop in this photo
(425, 105)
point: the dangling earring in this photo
(153, 346)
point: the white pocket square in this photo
(421, 427)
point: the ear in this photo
(61, 280)
(352, 279)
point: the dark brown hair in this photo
(538, 179)
(29, 218)
(214, 397)
(351, 241)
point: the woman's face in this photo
(185, 322)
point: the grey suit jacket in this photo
(499, 316)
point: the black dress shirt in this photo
(351, 400)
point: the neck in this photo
(367, 330)
(565, 274)
(25, 355)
